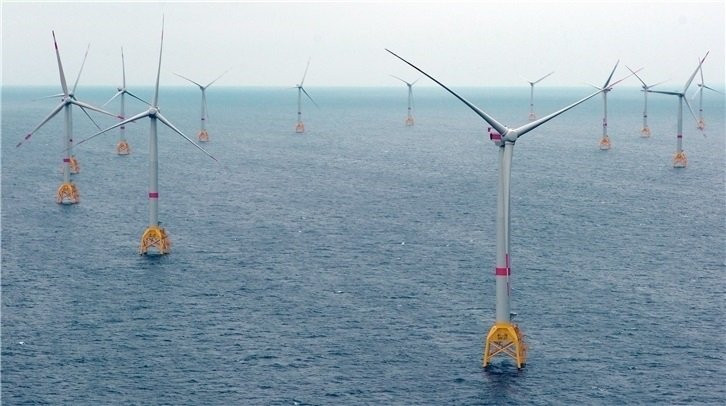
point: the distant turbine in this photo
(505, 338)
(605, 140)
(300, 127)
(409, 117)
(203, 135)
(154, 237)
(532, 116)
(679, 159)
(645, 132)
(701, 86)
(67, 191)
(122, 147)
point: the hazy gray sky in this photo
(464, 43)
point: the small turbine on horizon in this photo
(701, 123)
(67, 191)
(645, 131)
(154, 237)
(409, 117)
(122, 147)
(679, 159)
(532, 116)
(605, 140)
(203, 135)
(300, 127)
(505, 338)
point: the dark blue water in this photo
(354, 264)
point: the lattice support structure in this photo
(645, 132)
(67, 194)
(155, 237)
(203, 136)
(680, 160)
(300, 127)
(605, 142)
(122, 148)
(74, 166)
(505, 339)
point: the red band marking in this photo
(28, 136)
(503, 272)
(679, 136)
(123, 128)
(66, 160)
(153, 195)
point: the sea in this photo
(354, 263)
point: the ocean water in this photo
(354, 264)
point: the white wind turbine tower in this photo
(409, 117)
(605, 140)
(532, 116)
(504, 337)
(154, 237)
(67, 191)
(300, 127)
(645, 132)
(122, 147)
(679, 159)
(701, 86)
(203, 135)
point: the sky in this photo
(268, 44)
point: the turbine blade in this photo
(311, 99)
(81, 70)
(414, 82)
(394, 76)
(90, 118)
(700, 69)
(662, 92)
(61, 95)
(593, 86)
(170, 125)
(659, 83)
(218, 77)
(607, 82)
(616, 82)
(188, 79)
(636, 75)
(45, 120)
(158, 72)
(123, 69)
(693, 75)
(691, 110)
(711, 89)
(543, 77)
(119, 93)
(306, 72)
(531, 126)
(137, 98)
(489, 119)
(88, 106)
(64, 86)
(119, 124)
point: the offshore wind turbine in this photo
(605, 140)
(505, 337)
(300, 127)
(409, 117)
(67, 191)
(702, 124)
(203, 135)
(154, 236)
(532, 116)
(645, 131)
(679, 159)
(122, 147)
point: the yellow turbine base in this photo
(680, 160)
(122, 148)
(701, 124)
(74, 166)
(605, 143)
(645, 132)
(409, 121)
(155, 237)
(203, 136)
(532, 117)
(300, 128)
(67, 193)
(505, 338)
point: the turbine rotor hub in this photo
(153, 111)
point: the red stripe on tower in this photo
(153, 195)
(502, 271)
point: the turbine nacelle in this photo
(153, 111)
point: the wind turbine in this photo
(409, 117)
(505, 338)
(300, 127)
(701, 86)
(154, 237)
(532, 116)
(605, 140)
(203, 135)
(645, 132)
(122, 147)
(67, 191)
(679, 159)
